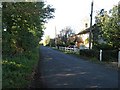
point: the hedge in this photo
(107, 55)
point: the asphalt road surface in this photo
(59, 70)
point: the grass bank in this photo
(18, 71)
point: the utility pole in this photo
(55, 32)
(55, 36)
(90, 33)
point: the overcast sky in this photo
(74, 13)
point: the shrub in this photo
(107, 55)
(89, 53)
(17, 70)
(110, 55)
(103, 47)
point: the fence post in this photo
(65, 48)
(74, 49)
(118, 58)
(100, 55)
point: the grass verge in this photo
(91, 59)
(18, 71)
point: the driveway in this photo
(59, 70)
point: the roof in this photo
(86, 30)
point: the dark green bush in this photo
(17, 71)
(90, 53)
(110, 55)
(107, 55)
(103, 47)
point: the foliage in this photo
(103, 46)
(96, 35)
(24, 22)
(107, 55)
(23, 25)
(47, 40)
(63, 37)
(52, 43)
(109, 27)
(89, 53)
(110, 55)
(17, 71)
(86, 40)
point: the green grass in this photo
(17, 71)
(91, 59)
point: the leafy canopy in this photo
(109, 27)
(23, 25)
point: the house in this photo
(81, 40)
(96, 38)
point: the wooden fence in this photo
(75, 50)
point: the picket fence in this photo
(67, 49)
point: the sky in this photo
(74, 13)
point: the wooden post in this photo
(65, 48)
(100, 55)
(73, 49)
(90, 33)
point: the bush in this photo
(110, 55)
(17, 71)
(90, 53)
(107, 55)
(103, 47)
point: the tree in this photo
(65, 34)
(111, 29)
(108, 27)
(23, 22)
(47, 40)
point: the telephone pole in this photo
(55, 36)
(55, 32)
(90, 33)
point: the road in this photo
(59, 70)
